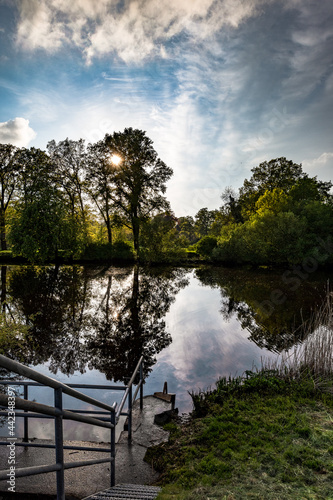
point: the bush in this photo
(206, 246)
(105, 251)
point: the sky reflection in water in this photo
(202, 329)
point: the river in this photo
(91, 324)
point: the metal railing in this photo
(31, 409)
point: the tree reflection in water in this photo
(131, 322)
(105, 318)
(247, 294)
(101, 318)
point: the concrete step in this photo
(127, 491)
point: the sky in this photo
(218, 85)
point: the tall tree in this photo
(282, 174)
(39, 226)
(100, 182)
(9, 172)
(138, 179)
(69, 163)
(203, 221)
(69, 159)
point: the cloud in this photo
(132, 30)
(16, 132)
(316, 163)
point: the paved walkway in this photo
(85, 481)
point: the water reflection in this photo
(192, 326)
(103, 318)
(265, 305)
(130, 321)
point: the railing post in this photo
(26, 424)
(141, 385)
(130, 414)
(59, 443)
(113, 450)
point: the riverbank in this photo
(267, 434)
(270, 438)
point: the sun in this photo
(116, 159)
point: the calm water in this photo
(91, 324)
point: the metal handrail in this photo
(58, 413)
(25, 371)
(22, 404)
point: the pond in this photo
(91, 324)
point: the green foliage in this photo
(285, 213)
(186, 230)
(160, 241)
(204, 220)
(104, 251)
(206, 246)
(37, 229)
(139, 181)
(12, 334)
(264, 438)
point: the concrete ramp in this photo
(84, 481)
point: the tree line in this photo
(108, 199)
(53, 200)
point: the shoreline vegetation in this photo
(106, 202)
(265, 435)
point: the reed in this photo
(313, 357)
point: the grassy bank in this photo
(266, 435)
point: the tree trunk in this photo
(136, 232)
(3, 229)
(109, 229)
(3, 287)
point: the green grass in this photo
(262, 440)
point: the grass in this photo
(266, 435)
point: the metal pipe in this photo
(87, 412)
(136, 391)
(59, 442)
(122, 403)
(82, 386)
(141, 386)
(121, 406)
(52, 446)
(22, 404)
(113, 451)
(129, 436)
(25, 371)
(42, 469)
(135, 372)
(26, 423)
(30, 471)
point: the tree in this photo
(69, 158)
(186, 230)
(231, 211)
(160, 239)
(39, 226)
(100, 182)
(69, 161)
(9, 173)
(138, 180)
(281, 174)
(203, 221)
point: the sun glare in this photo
(115, 160)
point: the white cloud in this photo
(38, 27)
(322, 160)
(16, 132)
(133, 31)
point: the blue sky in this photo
(218, 85)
